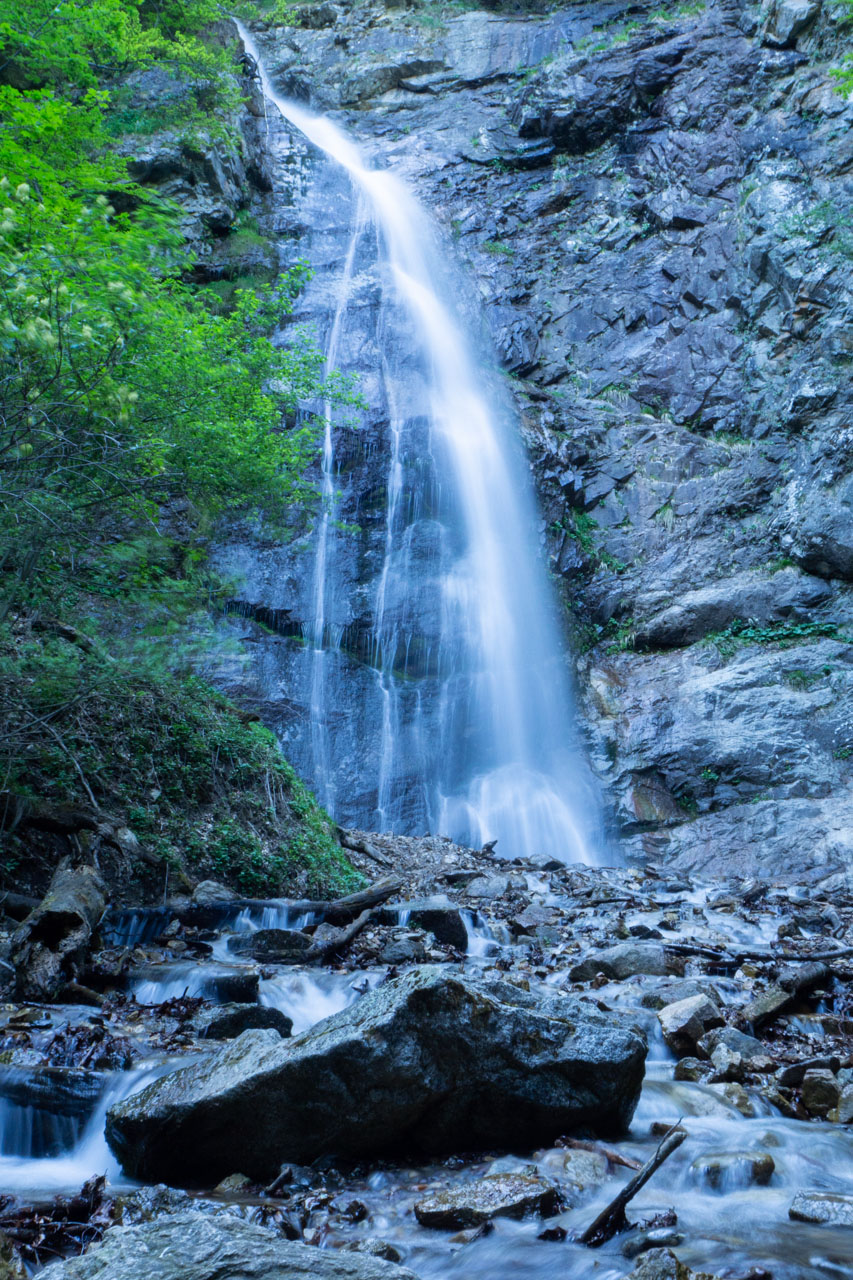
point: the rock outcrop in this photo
(434, 1060)
(194, 1246)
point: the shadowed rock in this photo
(432, 1060)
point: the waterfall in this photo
(473, 733)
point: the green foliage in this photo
(200, 787)
(121, 387)
(742, 632)
(499, 247)
(844, 73)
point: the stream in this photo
(714, 1199)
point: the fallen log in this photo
(334, 910)
(339, 940)
(612, 1218)
(49, 945)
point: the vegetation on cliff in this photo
(134, 410)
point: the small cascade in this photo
(44, 1150)
(310, 996)
(466, 723)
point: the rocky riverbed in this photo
(463, 1076)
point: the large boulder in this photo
(194, 1246)
(433, 1060)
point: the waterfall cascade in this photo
(471, 732)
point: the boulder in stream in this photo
(194, 1246)
(822, 1207)
(434, 1060)
(622, 961)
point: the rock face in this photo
(653, 210)
(193, 1246)
(432, 1060)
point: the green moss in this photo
(202, 789)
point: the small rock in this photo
(821, 1092)
(822, 1207)
(234, 1184)
(226, 1021)
(655, 1238)
(730, 1169)
(622, 961)
(684, 1023)
(209, 892)
(660, 1264)
(692, 1069)
(275, 946)
(501, 1195)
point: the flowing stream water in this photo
(474, 719)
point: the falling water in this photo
(475, 724)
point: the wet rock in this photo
(62, 1091)
(821, 1092)
(675, 989)
(409, 949)
(747, 1046)
(788, 19)
(226, 1021)
(374, 1248)
(272, 946)
(209, 892)
(794, 1074)
(49, 945)
(655, 1238)
(692, 1069)
(766, 1006)
(730, 1169)
(622, 961)
(500, 1195)
(581, 1169)
(842, 1113)
(443, 920)
(194, 1246)
(660, 1264)
(822, 1207)
(685, 1023)
(433, 1059)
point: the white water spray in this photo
(498, 759)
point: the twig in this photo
(612, 1219)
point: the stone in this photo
(747, 1046)
(794, 1073)
(499, 1195)
(433, 1060)
(692, 1069)
(674, 989)
(684, 1023)
(404, 950)
(788, 19)
(581, 1169)
(659, 1264)
(273, 946)
(730, 1169)
(224, 1022)
(196, 1246)
(766, 1006)
(821, 1091)
(842, 1113)
(208, 892)
(654, 1238)
(440, 918)
(822, 1207)
(622, 961)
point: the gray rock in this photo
(730, 1169)
(500, 1195)
(660, 1264)
(432, 1060)
(224, 1022)
(208, 892)
(275, 946)
(821, 1092)
(664, 993)
(684, 1023)
(440, 918)
(621, 961)
(194, 1246)
(747, 1046)
(788, 19)
(822, 1207)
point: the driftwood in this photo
(612, 1219)
(334, 911)
(363, 846)
(340, 939)
(50, 943)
